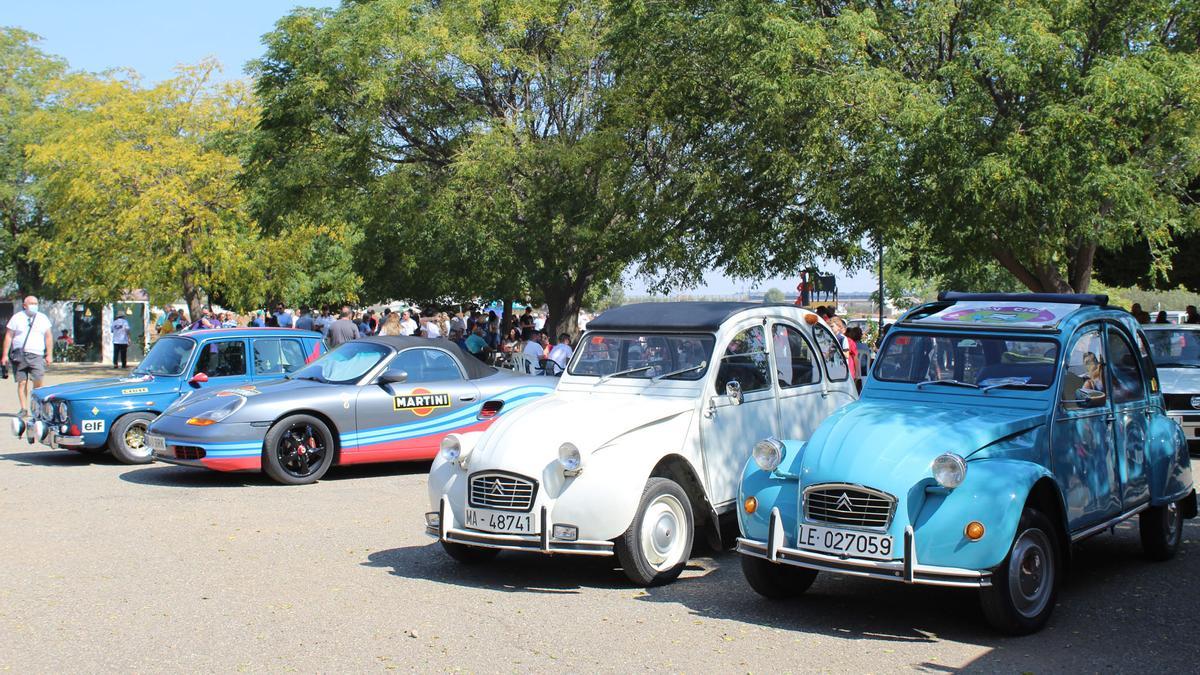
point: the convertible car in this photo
(380, 399)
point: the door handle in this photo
(468, 397)
(712, 409)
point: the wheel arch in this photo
(677, 468)
(328, 421)
(1046, 498)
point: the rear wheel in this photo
(775, 580)
(298, 450)
(1024, 586)
(658, 543)
(1161, 529)
(469, 555)
(127, 438)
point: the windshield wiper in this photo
(1020, 385)
(701, 366)
(957, 383)
(619, 373)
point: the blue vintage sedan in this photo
(994, 431)
(113, 413)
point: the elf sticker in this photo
(92, 426)
(421, 402)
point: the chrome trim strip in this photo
(888, 570)
(1097, 529)
(510, 542)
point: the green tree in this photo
(774, 296)
(25, 75)
(470, 142)
(1026, 135)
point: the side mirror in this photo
(733, 389)
(1090, 398)
(393, 377)
(198, 379)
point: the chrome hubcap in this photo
(1031, 573)
(135, 439)
(661, 536)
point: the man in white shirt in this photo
(430, 326)
(539, 322)
(406, 321)
(120, 339)
(29, 347)
(561, 353)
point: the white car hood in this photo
(527, 439)
(1179, 380)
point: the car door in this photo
(276, 357)
(803, 401)
(837, 372)
(728, 430)
(223, 362)
(1083, 452)
(408, 420)
(1131, 412)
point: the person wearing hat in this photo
(120, 341)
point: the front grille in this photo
(1179, 402)
(188, 452)
(850, 505)
(501, 491)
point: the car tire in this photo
(127, 438)
(1161, 529)
(1025, 586)
(776, 580)
(658, 543)
(469, 555)
(291, 446)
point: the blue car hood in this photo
(110, 388)
(891, 444)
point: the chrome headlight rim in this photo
(949, 470)
(451, 448)
(768, 453)
(64, 411)
(570, 459)
(47, 410)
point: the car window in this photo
(426, 365)
(643, 356)
(346, 364)
(222, 358)
(168, 356)
(1085, 368)
(277, 357)
(986, 361)
(745, 360)
(835, 359)
(794, 362)
(1127, 383)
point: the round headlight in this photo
(949, 470)
(48, 410)
(768, 453)
(63, 411)
(570, 459)
(451, 448)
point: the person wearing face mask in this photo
(29, 347)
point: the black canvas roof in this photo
(673, 316)
(1064, 298)
(475, 368)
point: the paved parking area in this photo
(159, 568)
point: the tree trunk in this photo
(1046, 277)
(563, 303)
(192, 296)
(508, 314)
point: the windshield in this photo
(978, 361)
(1174, 348)
(168, 356)
(344, 365)
(643, 357)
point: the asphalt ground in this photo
(105, 567)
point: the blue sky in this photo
(153, 37)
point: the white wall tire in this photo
(658, 543)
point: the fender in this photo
(779, 489)
(1170, 466)
(994, 493)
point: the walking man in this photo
(29, 347)
(120, 339)
(343, 330)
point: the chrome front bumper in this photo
(541, 542)
(906, 570)
(40, 431)
(1190, 421)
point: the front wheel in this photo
(1024, 586)
(776, 580)
(127, 438)
(1161, 529)
(469, 555)
(298, 450)
(658, 543)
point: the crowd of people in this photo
(519, 341)
(1190, 315)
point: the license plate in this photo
(845, 542)
(156, 443)
(499, 521)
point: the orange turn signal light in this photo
(974, 530)
(200, 422)
(751, 505)
(811, 319)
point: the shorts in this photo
(28, 366)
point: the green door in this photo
(135, 314)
